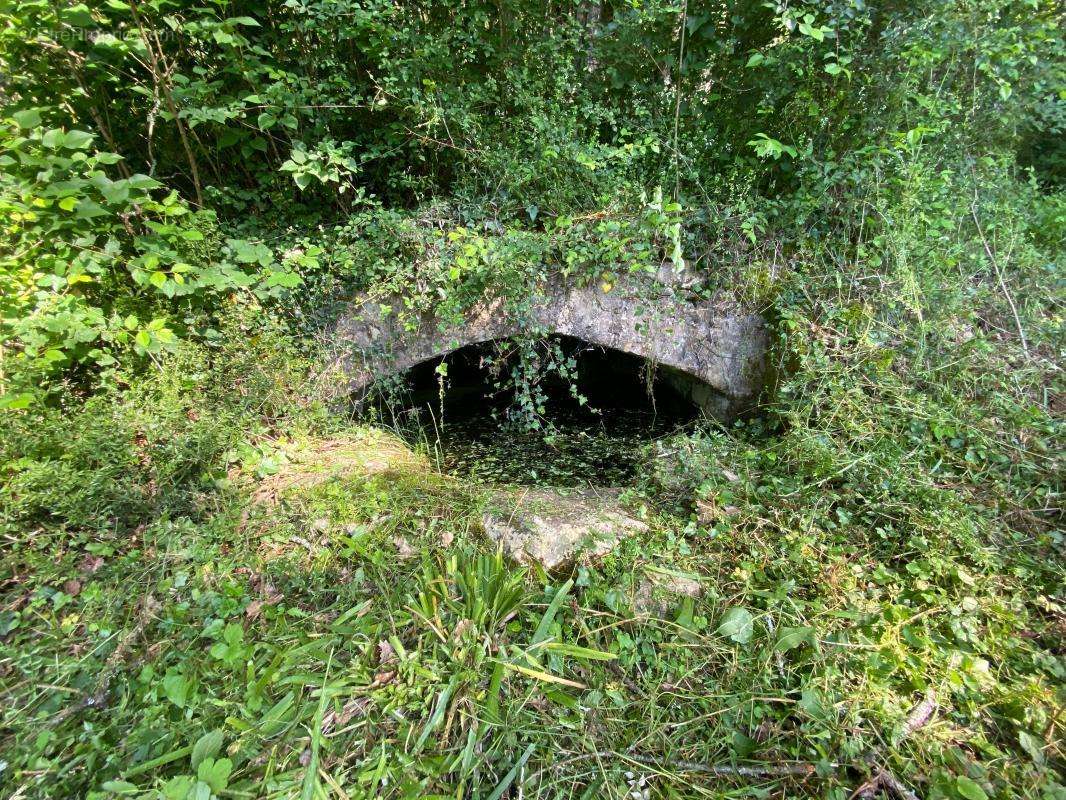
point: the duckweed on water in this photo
(573, 450)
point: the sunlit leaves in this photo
(329, 162)
(27, 119)
(737, 624)
(767, 147)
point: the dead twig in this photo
(883, 780)
(999, 276)
(919, 716)
(98, 698)
(795, 770)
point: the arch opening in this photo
(556, 411)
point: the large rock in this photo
(553, 527)
(716, 349)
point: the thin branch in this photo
(99, 696)
(883, 778)
(794, 770)
(161, 76)
(677, 99)
(920, 715)
(999, 275)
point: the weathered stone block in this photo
(553, 527)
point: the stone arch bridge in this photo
(714, 351)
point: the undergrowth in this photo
(218, 583)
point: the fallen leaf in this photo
(403, 547)
(707, 511)
(383, 677)
(461, 627)
(90, 564)
(763, 732)
(353, 708)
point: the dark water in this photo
(590, 430)
(575, 450)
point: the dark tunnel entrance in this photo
(556, 411)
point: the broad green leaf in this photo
(175, 685)
(284, 279)
(53, 138)
(140, 181)
(116, 192)
(77, 140)
(16, 401)
(77, 15)
(737, 624)
(790, 638)
(1033, 745)
(743, 745)
(178, 788)
(969, 789)
(207, 746)
(215, 773)
(30, 118)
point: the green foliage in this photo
(96, 268)
(188, 192)
(147, 449)
(78, 244)
(504, 120)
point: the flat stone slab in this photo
(659, 592)
(553, 527)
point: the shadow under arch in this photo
(591, 421)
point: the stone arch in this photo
(714, 351)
